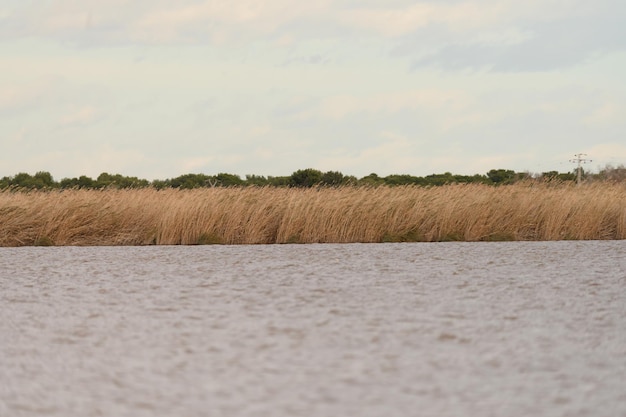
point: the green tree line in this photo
(301, 178)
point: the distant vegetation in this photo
(302, 179)
(530, 210)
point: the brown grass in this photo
(527, 211)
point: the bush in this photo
(305, 178)
(501, 176)
(40, 180)
(228, 180)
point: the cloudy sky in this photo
(160, 88)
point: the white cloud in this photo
(107, 158)
(606, 114)
(394, 154)
(195, 164)
(13, 97)
(486, 19)
(482, 164)
(222, 21)
(341, 106)
(81, 116)
(67, 21)
(398, 22)
(607, 153)
(18, 137)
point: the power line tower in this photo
(579, 160)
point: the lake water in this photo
(409, 329)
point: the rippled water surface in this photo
(430, 329)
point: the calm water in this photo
(428, 329)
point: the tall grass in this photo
(473, 212)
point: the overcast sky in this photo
(160, 88)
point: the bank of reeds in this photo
(526, 211)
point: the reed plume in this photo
(252, 215)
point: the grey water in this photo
(408, 329)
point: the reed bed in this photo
(472, 212)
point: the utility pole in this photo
(579, 159)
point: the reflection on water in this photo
(450, 329)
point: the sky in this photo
(161, 88)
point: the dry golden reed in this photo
(473, 212)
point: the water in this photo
(449, 329)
